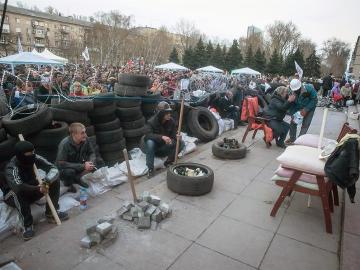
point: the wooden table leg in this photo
(325, 202)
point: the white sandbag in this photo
(67, 202)
(229, 124)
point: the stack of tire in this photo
(76, 110)
(149, 103)
(108, 131)
(6, 145)
(129, 90)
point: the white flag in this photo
(299, 70)
(85, 54)
(19, 47)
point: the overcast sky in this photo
(318, 20)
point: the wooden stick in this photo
(47, 197)
(178, 135)
(130, 176)
(322, 129)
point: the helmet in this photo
(295, 84)
(164, 106)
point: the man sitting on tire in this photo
(161, 141)
(76, 157)
(21, 188)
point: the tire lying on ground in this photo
(78, 105)
(130, 91)
(202, 124)
(134, 80)
(27, 120)
(224, 153)
(70, 116)
(111, 136)
(192, 186)
(7, 149)
(51, 136)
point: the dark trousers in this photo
(234, 114)
(153, 149)
(70, 176)
(280, 130)
(304, 127)
(23, 200)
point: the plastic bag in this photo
(67, 202)
(298, 118)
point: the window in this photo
(41, 24)
(36, 22)
(17, 20)
(18, 30)
(2, 40)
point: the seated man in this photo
(161, 141)
(227, 109)
(21, 188)
(76, 157)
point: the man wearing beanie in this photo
(161, 141)
(21, 187)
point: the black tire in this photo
(111, 147)
(202, 124)
(130, 91)
(48, 154)
(111, 163)
(111, 136)
(101, 111)
(133, 124)
(115, 124)
(3, 135)
(103, 99)
(138, 132)
(96, 120)
(93, 140)
(4, 109)
(51, 136)
(90, 131)
(78, 105)
(7, 149)
(114, 155)
(129, 114)
(148, 109)
(27, 120)
(134, 80)
(128, 102)
(224, 153)
(192, 186)
(70, 116)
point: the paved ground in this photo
(229, 228)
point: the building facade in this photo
(355, 61)
(64, 36)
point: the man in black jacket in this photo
(21, 187)
(76, 157)
(227, 109)
(162, 139)
(327, 84)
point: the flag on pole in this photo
(19, 47)
(85, 54)
(299, 70)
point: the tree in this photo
(174, 57)
(223, 58)
(187, 33)
(233, 57)
(312, 66)
(200, 54)
(188, 60)
(259, 61)
(289, 65)
(249, 58)
(217, 59)
(209, 53)
(335, 54)
(274, 66)
(306, 46)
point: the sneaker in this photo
(289, 142)
(28, 233)
(72, 189)
(62, 216)
(151, 173)
(281, 145)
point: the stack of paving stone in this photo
(102, 233)
(147, 213)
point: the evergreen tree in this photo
(209, 53)
(259, 61)
(312, 66)
(217, 57)
(223, 56)
(188, 58)
(233, 57)
(249, 58)
(289, 65)
(200, 54)
(274, 66)
(174, 57)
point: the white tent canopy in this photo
(49, 55)
(171, 66)
(210, 69)
(246, 70)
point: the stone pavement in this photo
(229, 228)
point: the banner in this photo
(299, 70)
(85, 54)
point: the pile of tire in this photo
(108, 132)
(149, 103)
(7, 144)
(202, 124)
(129, 91)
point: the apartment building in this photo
(355, 60)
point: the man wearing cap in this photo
(21, 188)
(161, 141)
(305, 102)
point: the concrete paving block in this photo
(110, 238)
(108, 218)
(150, 210)
(104, 228)
(120, 212)
(155, 200)
(136, 221)
(11, 266)
(144, 223)
(157, 215)
(127, 216)
(128, 205)
(143, 205)
(86, 242)
(154, 225)
(91, 229)
(95, 238)
(165, 209)
(134, 212)
(146, 196)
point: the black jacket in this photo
(277, 108)
(327, 82)
(159, 129)
(74, 156)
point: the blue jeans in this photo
(304, 127)
(152, 149)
